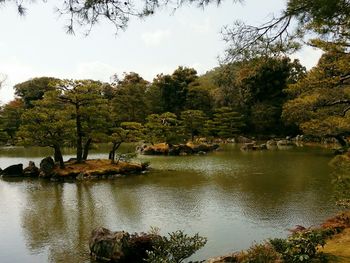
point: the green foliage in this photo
(260, 253)
(193, 122)
(34, 89)
(48, 123)
(226, 123)
(175, 248)
(173, 89)
(321, 100)
(84, 99)
(199, 98)
(279, 244)
(341, 179)
(255, 90)
(162, 128)
(286, 33)
(301, 246)
(129, 103)
(126, 132)
(10, 119)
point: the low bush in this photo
(261, 253)
(175, 248)
(301, 246)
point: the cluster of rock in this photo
(176, 149)
(45, 170)
(120, 246)
(269, 145)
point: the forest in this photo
(265, 97)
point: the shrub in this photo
(302, 246)
(279, 244)
(175, 248)
(261, 253)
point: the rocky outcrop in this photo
(242, 139)
(31, 170)
(12, 171)
(120, 246)
(196, 148)
(180, 149)
(156, 149)
(282, 144)
(253, 146)
(177, 149)
(271, 144)
(47, 166)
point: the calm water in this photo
(231, 197)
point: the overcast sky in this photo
(37, 45)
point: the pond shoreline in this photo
(87, 170)
(229, 196)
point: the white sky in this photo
(36, 45)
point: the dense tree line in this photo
(265, 96)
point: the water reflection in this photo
(231, 197)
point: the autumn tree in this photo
(320, 101)
(47, 124)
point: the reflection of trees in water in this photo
(284, 189)
(59, 218)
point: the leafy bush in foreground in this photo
(301, 246)
(175, 248)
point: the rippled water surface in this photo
(234, 198)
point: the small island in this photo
(89, 169)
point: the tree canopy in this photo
(47, 124)
(320, 101)
(299, 22)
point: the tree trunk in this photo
(58, 156)
(86, 149)
(79, 135)
(112, 152)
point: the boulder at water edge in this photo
(13, 171)
(31, 170)
(46, 167)
(119, 246)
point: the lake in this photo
(233, 198)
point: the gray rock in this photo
(271, 144)
(13, 171)
(241, 139)
(120, 246)
(248, 146)
(285, 144)
(47, 166)
(31, 170)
